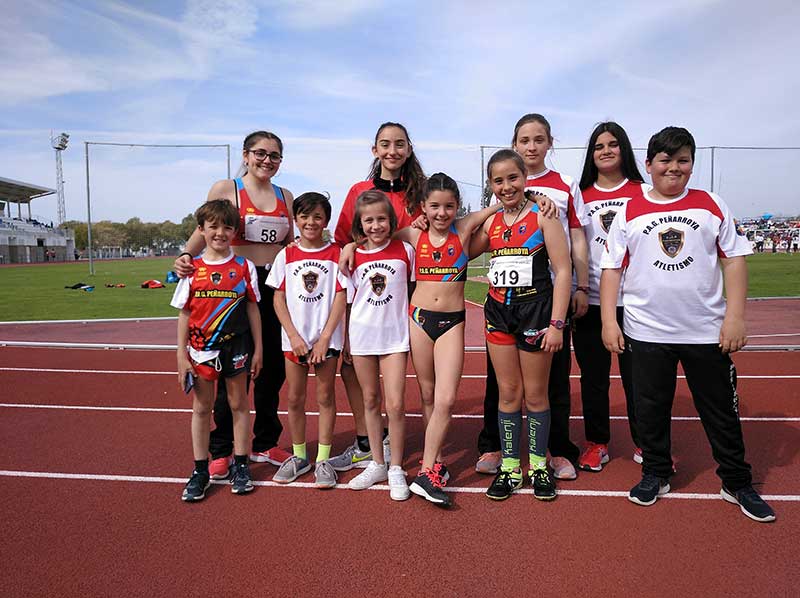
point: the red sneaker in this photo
(275, 456)
(219, 469)
(594, 456)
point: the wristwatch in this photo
(557, 324)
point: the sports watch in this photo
(557, 324)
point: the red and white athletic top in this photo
(601, 206)
(397, 198)
(670, 252)
(310, 278)
(379, 297)
(256, 226)
(215, 296)
(566, 194)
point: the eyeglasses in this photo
(262, 155)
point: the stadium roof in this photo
(19, 192)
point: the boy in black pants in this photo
(676, 245)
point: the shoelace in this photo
(238, 473)
(649, 482)
(503, 478)
(434, 477)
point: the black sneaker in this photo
(648, 490)
(241, 481)
(750, 502)
(428, 484)
(544, 488)
(442, 470)
(504, 484)
(195, 488)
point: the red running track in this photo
(79, 537)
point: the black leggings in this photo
(267, 426)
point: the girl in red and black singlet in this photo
(524, 320)
(259, 226)
(396, 172)
(264, 228)
(437, 319)
(610, 178)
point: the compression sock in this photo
(538, 435)
(363, 443)
(510, 425)
(201, 465)
(299, 450)
(240, 459)
(323, 452)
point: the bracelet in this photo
(582, 289)
(191, 257)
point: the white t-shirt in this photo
(670, 252)
(601, 206)
(379, 296)
(310, 278)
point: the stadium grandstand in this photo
(25, 240)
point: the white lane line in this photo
(466, 376)
(379, 487)
(686, 418)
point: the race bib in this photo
(265, 229)
(511, 271)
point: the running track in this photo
(96, 451)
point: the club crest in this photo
(378, 282)
(507, 235)
(310, 280)
(606, 218)
(451, 251)
(437, 256)
(671, 241)
(216, 277)
(523, 228)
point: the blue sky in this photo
(324, 75)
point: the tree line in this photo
(134, 234)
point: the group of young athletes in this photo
(588, 260)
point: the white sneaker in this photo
(373, 474)
(398, 487)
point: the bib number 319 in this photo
(511, 271)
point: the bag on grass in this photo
(152, 284)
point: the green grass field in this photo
(38, 293)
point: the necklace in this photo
(507, 233)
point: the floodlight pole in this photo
(59, 144)
(88, 213)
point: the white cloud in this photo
(318, 14)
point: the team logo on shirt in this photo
(451, 251)
(310, 280)
(231, 273)
(437, 256)
(378, 282)
(523, 228)
(216, 277)
(671, 241)
(507, 235)
(606, 218)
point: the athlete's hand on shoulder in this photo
(420, 222)
(347, 257)
(732, 335)
(553, 340)
(580, 304)
(256, 363)
(547, 207)
(183, 265)
(613, 340)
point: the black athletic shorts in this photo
(520, 324)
